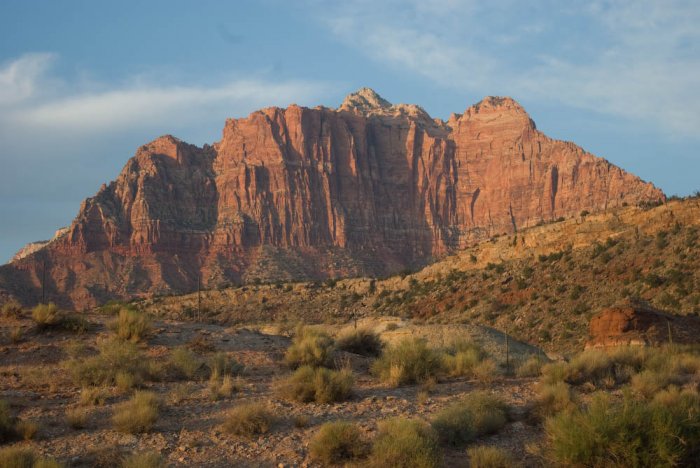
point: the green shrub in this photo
(462, 359)
(648, 382)
(310, 348)
(405, 443)
(337, 442)
(138, 414)
(489, 457)
(46, 315)
(131, 325)
(249, 420)
(143, 460)
(553, 398)
(361, 341)
(185, 362)
(629, 433)
(321, 385)
(477, 414)
(115, 357)
(12, 309)
(409, 361)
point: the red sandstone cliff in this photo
(368, 188)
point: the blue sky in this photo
(84, 83)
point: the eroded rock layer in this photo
(369, 188)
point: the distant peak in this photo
(364, 99)
(497, 102)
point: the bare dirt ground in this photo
(38, 388)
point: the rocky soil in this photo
(38, 388)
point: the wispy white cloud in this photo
(137, 105)
(638, 59)
(19, 78)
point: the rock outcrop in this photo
(32, 247)
(369, 188)
(639, 324)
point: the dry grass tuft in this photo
(310, 348)
(337, 442)
(138, 414)
(249, 420)
(409, 361)
(489, 457)
(321, 385)
(131, 325)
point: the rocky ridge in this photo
(369, 188)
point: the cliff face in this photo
(369, 188)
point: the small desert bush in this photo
(76, 417)
(648, 382)
(405, 443)
(484, 456)
(12, 309)
(319, 384)
(336, 443)
(531, 367)
(223, 387)
(131, 325)
(27, 430)
(46, 315)
(477, 414)
(486, 371)
(93, 396)
(143, 460)
(138, 414)
(16, 334)
(249, 420)
(115, 358)
(222, 364)
(628, 433)
(598, 368)
(553, 398)
(310, 348)
(361, 341)
(185, 362)
(408, 361)
(22, 457)
(462, 359)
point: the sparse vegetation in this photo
(185, 362)
(336, 443)
(11, 309)
(76, 417)
(408, 361)
(23, 457)
(46, 315)
(131, 325)
(310, 348)
(249, 420)
(138, 414)
(115, 358)
(321, 385)
(484, 456)
(361, 341)
(476, 414)
(406, 443)
(629, 433)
